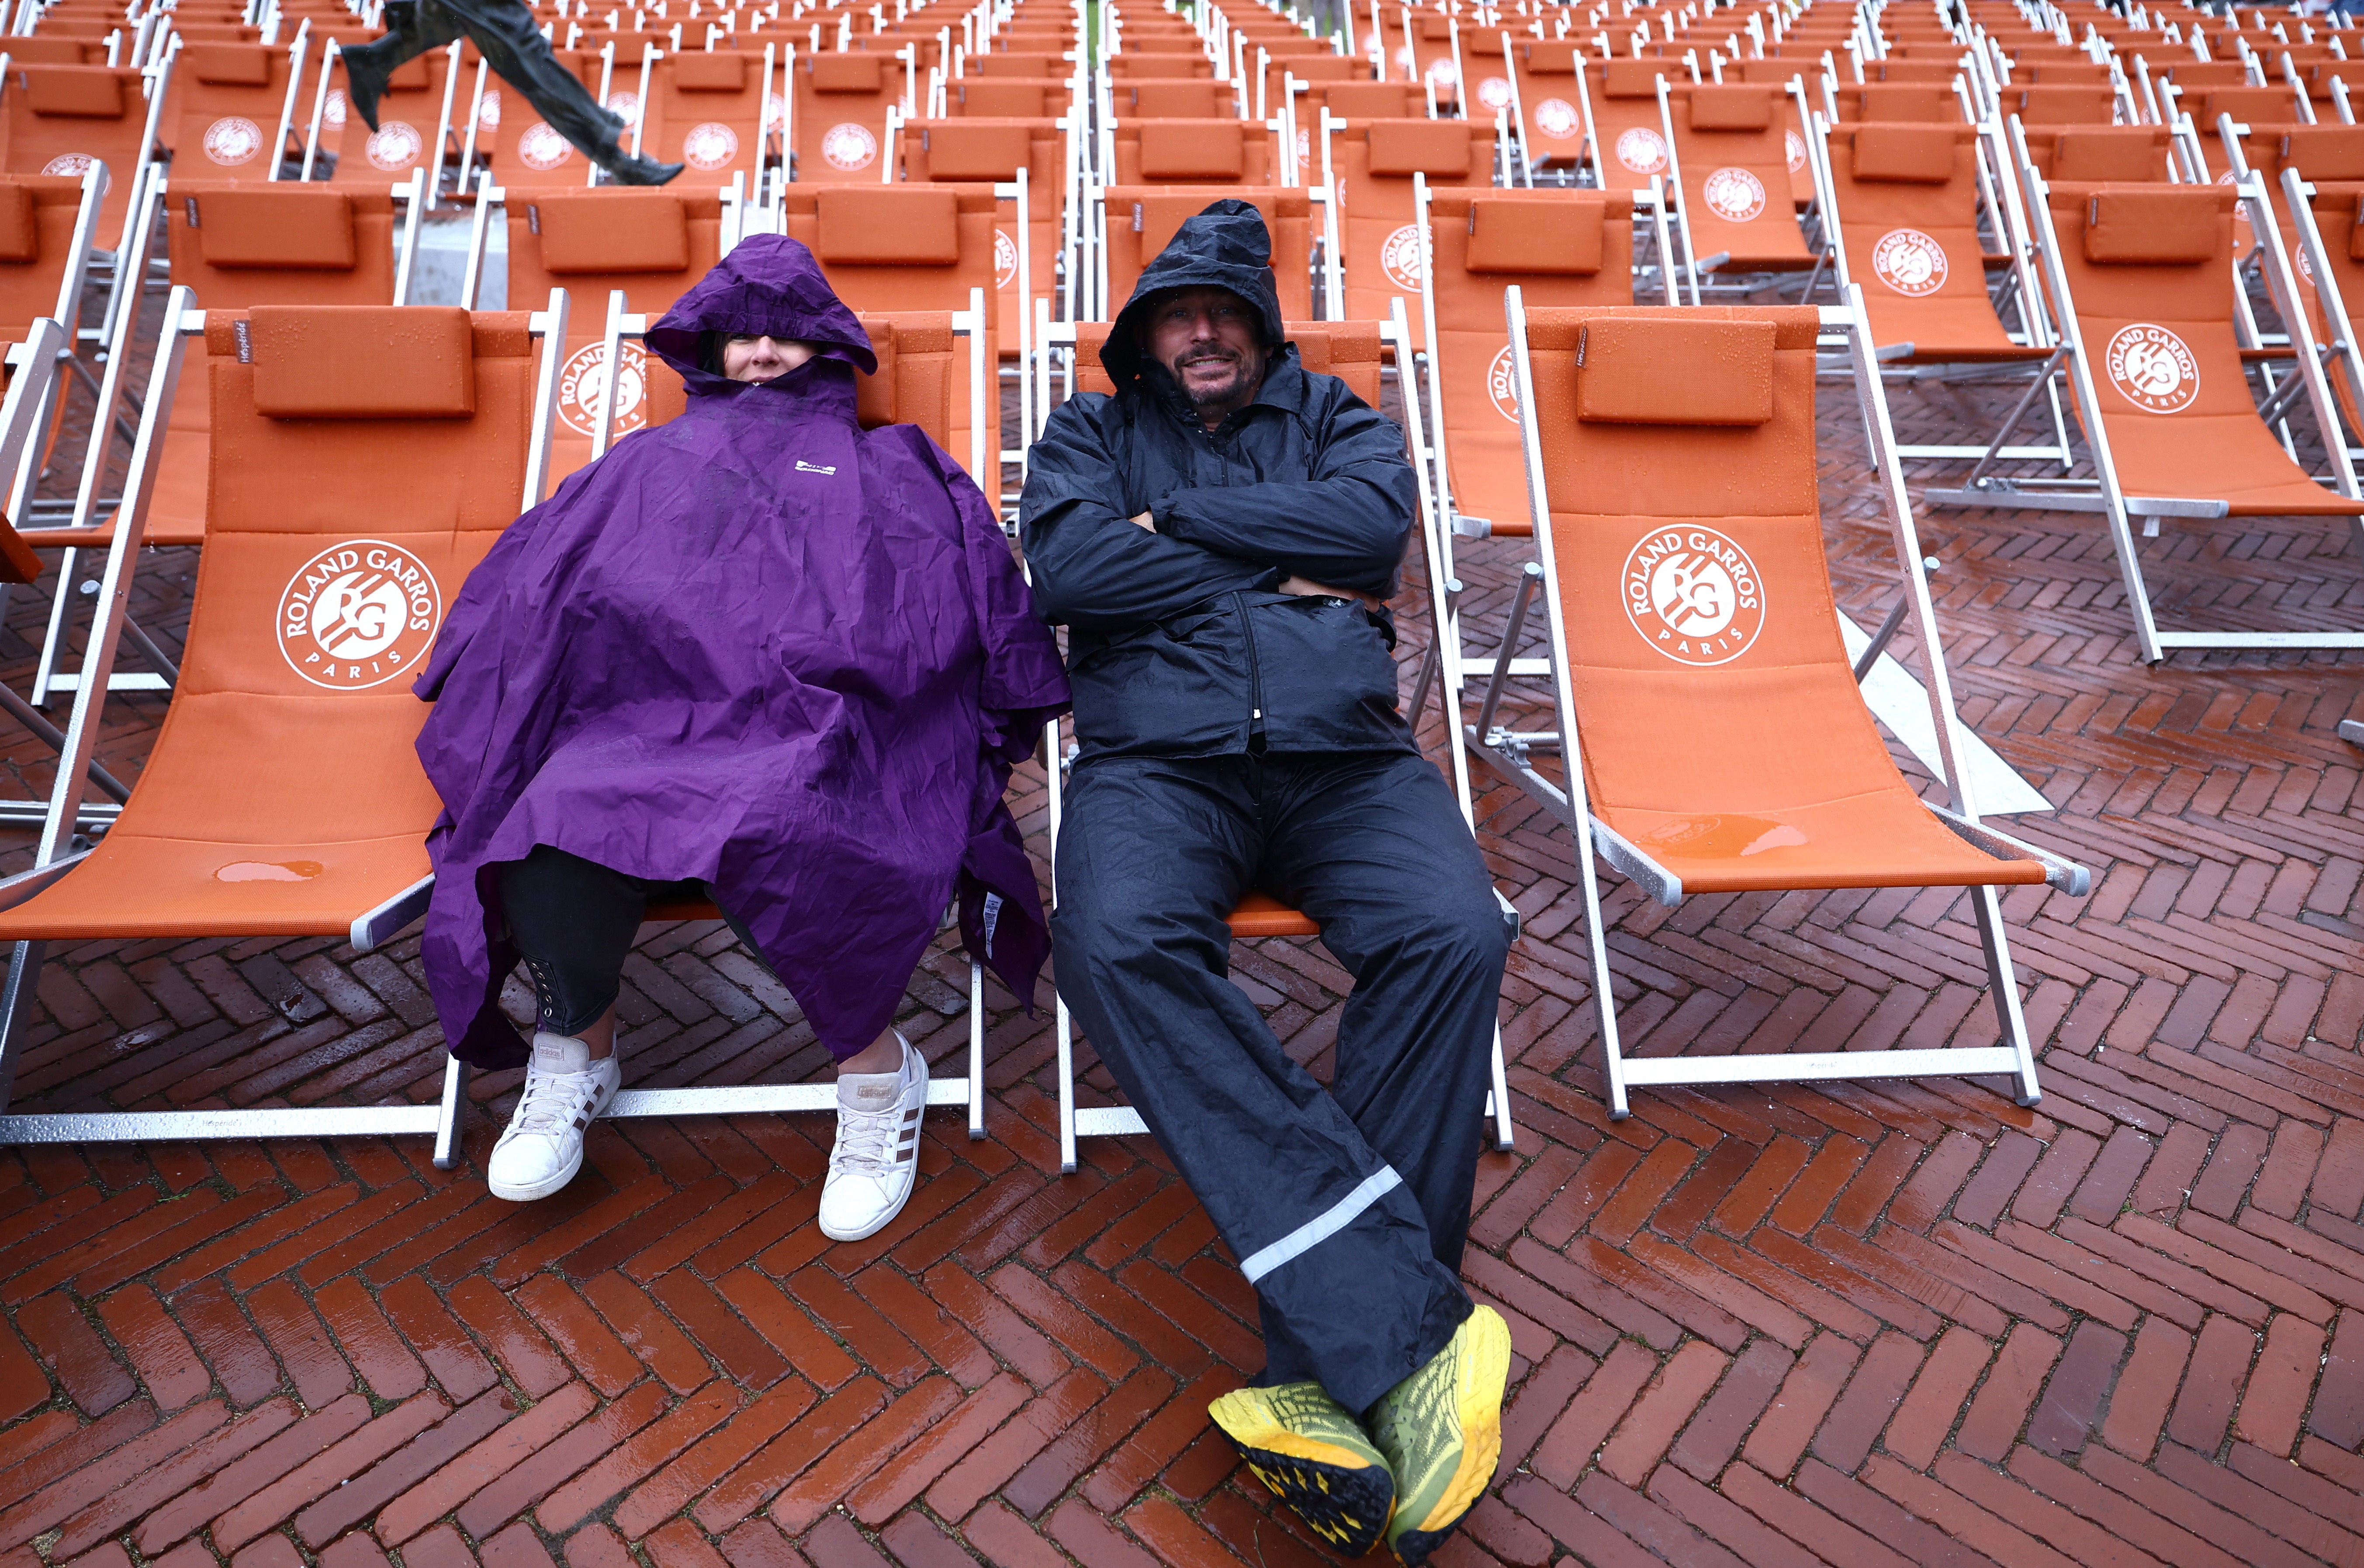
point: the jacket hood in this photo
(769, 285)
(1225, 246)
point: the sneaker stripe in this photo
(1323, 1226)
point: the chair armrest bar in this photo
(16, 889)
(380, 924)
(2067, 875)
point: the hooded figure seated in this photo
(1219, 538)
(756, 653)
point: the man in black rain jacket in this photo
(1219, 538)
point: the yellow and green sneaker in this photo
(1315, 1456)
(1440, 1432)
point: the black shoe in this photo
(637, 171)
(364, 84)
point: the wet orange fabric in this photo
(1141, 218)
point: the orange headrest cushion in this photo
(20, 237)
(721, 71)
(1920, 154)
(1434, 147)
(228, 64)
(2175, 225)
(2094, 155)
(362, 361)
(1157, 215)
(887, 226)
(1633, 78)
(1731, 109)
(1663, 371)
(976, 152)
(273, 226)
(79, 91)
(1197, 151)
(2324, 151)
(847, 72)
(1508, 236)
(611, 231)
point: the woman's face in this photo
(763, 359)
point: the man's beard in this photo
(1202, 394)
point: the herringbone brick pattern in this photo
(1853, 1325)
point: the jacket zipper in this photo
(1255, 677)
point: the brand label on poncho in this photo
(1694, 594)
(359, 614)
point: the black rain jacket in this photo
(1179, 644)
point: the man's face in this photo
(1207, 339)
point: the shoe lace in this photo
(550, 1101)
(865, 1141)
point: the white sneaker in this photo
(564, 1093)
(876, 1159)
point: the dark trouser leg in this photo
(510, 39)
(1152, 856)
(1375, 849)
(574, 921)
(410, 31)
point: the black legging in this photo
(507, 35)
(574, 920)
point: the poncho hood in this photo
(769, 285)
(1225, 246)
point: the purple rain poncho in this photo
(758, 646)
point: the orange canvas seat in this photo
(1780, 73)
(1621, 100)
(1141, 219)
(47, 225)
(650, 243)
(1733, 176)
(230, 104)
(1552, 124)
(839, 120)
(891, 249)
(1183, 62)
(62, 119)
(708, 111)
(1673, 458)
(364, 460)
(1373, 223)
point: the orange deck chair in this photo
(837, 124)
(1619, 99)
(2319, 172)
(1670, 463)
(1730, 182)
(2143, 279)
(1549, 100)
(1373, 220)
(1350, 351)
(1142, 219)
(364, 460)
(653, 244)
(996, 154)
(61, 119)
(47, 225)
(414, 122)
(232, 108)
(708, 111)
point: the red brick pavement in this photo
(1857, 1325)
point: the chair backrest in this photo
(1627, 141)
(1159, 62)
(527, 151)
(1779, 73)
(1677, 454)
(1889, 102)
(708, 113)
(653, 244)
(1196, 152)
(224, 106)
(984, 152)
(994, 64)
(1735, 174)
(1561, 249)
(410, 114)
(38, 213)
(365, 459)
(63, 118)
(2149, 275)
(1002, 97)
(1550, 99)
(1142, 218)
(1361, 100)
(1347, 349)
(2061, 104)
(240, 245)
(1907, 197)
(1373, 162)
(2091, 155)
(841, 114)
(1174, 98)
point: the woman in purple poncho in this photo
(757, 654)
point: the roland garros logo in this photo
(584, 381)
(1495, 91)
(710, 146)
(1909, 262)
(849, 146)
(394, 146)
(542, 148)
(1400, 257)
(73, 163)
(233, 139)
(1641, 149)
(489, 112)
(1794, 148)
(1694, 594)
(1005, 260)
(1733, 193)
(1556, 117)
(1502, 387)
(358, 614)
(2152, 368)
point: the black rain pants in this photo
(574, 921)
(509, 37)
(1348, 1206)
